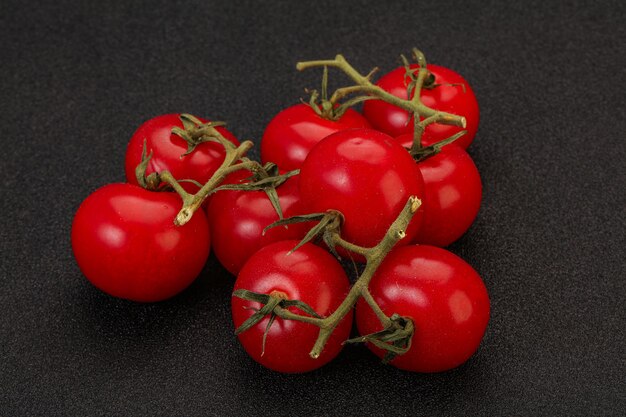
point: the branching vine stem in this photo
(374, 257)
(365, 85)
(234, 160)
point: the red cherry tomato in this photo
(292, 133)
(311, 275)
(444, 97)
(168, 149)
(237, 220)
(365, 175)
(126, 244)
(442, 294)
(452, 194)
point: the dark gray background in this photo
(76, 79)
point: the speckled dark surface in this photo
(77, 79)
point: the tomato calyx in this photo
(264, 178)
(275, 304)
(429, 82)
(153, 181)
(395, 339)
(195, 132)
(270, 303)
(330, 108)
(328, 228)
(234, 160)
(420, 153)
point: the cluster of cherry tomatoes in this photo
(319, 161)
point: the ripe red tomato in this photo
(311, 275)
(126, 244)
(452, 194)
(448, 98)
(365, 175)
(168, 149)
(292, 133)
(237, 220)
(442, 294)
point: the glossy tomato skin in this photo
(167, 149)
(448, 98)
(452, 194)
(126, 244)
(309, 274)
(237, 220)
(365, 175)
(442, 294)
(290, 135)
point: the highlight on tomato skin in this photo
(126, 244)
(309, 274)
(453, 94)
(292, 133)
(167, 150)
(444, 297)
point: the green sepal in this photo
(329, 223)
(269, 304)
(193, 131)
(189, 121)
(258, 316)
(140, 170)
(262, 182)
(295, 219)
(395, 339)
(313, 102)
(343, 107)
(435, 148)
(325, 108)
(272, 195)
(432, 84)
(150, 182)
(267, 330)
(301, 306)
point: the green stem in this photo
(337, 240)
(168, 178)
(418, 129)
(288, 315)
(363, 81)
(229, 165)
(374, 258)
(367, 296)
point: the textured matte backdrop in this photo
(76, 79)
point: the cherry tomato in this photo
(168, 149)
(237, 220)
(452, 194)
(453, 95)
(292, 133)
(311, 275)
(443, 296)
(365, 175)
(126, 244)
